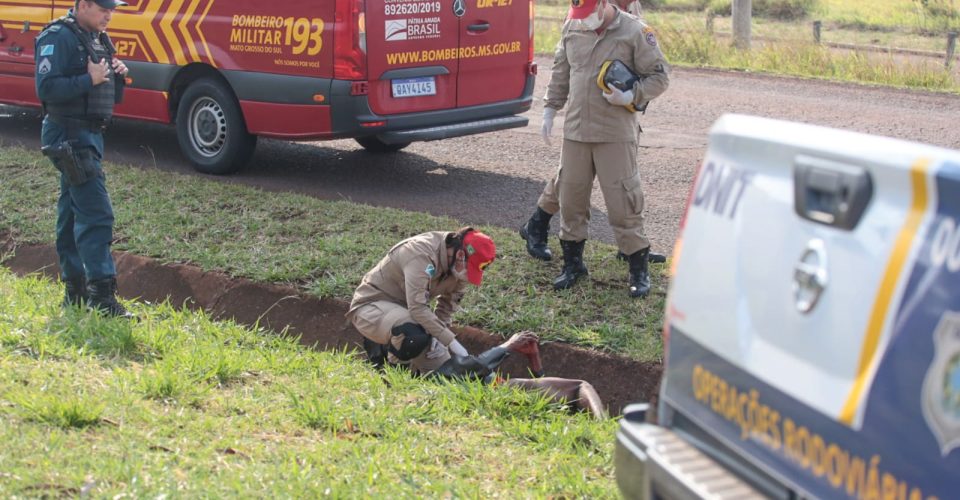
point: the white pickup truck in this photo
(812, 329)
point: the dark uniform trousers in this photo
(614, 164)
(84, 213)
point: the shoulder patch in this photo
(430, 270)
(44, 66)
(649, 36)
(46, 50)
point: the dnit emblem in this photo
(941, 385)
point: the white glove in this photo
(547, 128)
(617, 97)
(456, 348)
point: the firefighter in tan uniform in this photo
(599, 138)
(391, 307)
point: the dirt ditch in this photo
(320, 323)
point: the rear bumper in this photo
(655, 462)
(454, 130)
(351, 117)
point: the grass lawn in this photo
(325, 247)
(848, 17)
(899, 15)
(177, 405)
(786, 47)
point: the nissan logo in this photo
(459, 7)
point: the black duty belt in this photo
(92, 125)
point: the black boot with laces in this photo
(75, 292)
(102, 296)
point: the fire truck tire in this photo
(211, 130)
(374, 145)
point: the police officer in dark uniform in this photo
(78, 81)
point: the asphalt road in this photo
(495, 178)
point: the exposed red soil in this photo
(320, 323)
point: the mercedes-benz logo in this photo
(459, 7)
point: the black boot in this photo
(376, 353)
(75, 292)
(535, 233)
(102, 296)
(573, 268)
(639, 275)
(652, 257)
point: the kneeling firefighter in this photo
(392, 306)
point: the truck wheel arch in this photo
(211, 127)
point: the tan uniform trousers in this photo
(375, 322)
(615, 165)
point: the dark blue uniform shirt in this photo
(62, 77)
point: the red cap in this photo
(480, 252)
(580, 9)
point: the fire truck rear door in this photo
(412, 55)
(495, 45)
(20, 23)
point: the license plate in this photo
(414, 87)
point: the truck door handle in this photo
(478, 27)
(810, 276)
(16, 49)
(830, 192)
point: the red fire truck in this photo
(385, 72)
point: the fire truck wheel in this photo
(374, 145)
(211, 130)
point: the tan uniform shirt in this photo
(576, 65)
(412, 274)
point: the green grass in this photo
(325, 247)
(167, 415)
(847, 17)
(806, 59)
(802, 31)
(788, 49)
(897, 15)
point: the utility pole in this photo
(742, 12)
(951, 47)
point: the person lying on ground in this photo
(580, 394)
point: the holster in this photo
(77, 165)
